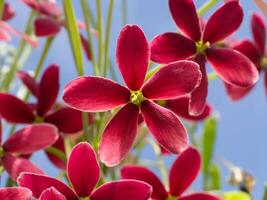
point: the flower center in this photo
(84, 198)
(39, 119)
(137, 97)
(201, 46)
(171, 198)
(263, 63)
(1, 152)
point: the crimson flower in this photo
(256, 52)
(97, 94)
(23, 142)
(19, 193)
(182, 173)
(83, 172)
(200, 44)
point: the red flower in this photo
(83, 172)
(23, 142)
(255, 51)
(182, 173)
(93, 94)
(18, 193)
(200, 44)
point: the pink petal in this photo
(48, 89)
(67, 120)
(258, 31)
(170, 47)
(13, 193)
(184, 171)
(95, 94)
(181, 108)
(172, 81)
(236, 93)
(46, 27)
(200, 196)
(86, 47)
(51, 194)
(83, 169)
(14, 110)
(223, 22)
(8, 12)
(185, 16)
(4, 35)
(228, 63)
(142, 174)
(121, 190)
(50, 9)
(29, 82)
(199, 95)
(32, 138)
(16, 165)
(38, 183)
(133, 56)
(165, 127)
(119, 135)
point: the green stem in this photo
(153, 71)
(107, 37)
(86, 126)
(2, 3)
(207, 6)
(124, 12)
(265, 193)
(212, 76)
(87, 15)
(100, 33)
(58, 153)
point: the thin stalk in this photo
(91, 17)
(100, 33)
(2, 3)
(206, 7)
(87, 16)
(212, 76)
(56, 152)
(124, 12)
(107, 37)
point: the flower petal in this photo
(51, 194)
(29, 82)
(13, 193)
(95, 94)
(170, 47)
(16, 165)
(223, 22)
(119, 135)
(48, 89)
(258, 31)
(236, 93)
(165, 127)
(121, 190)
(172, 81)
(142, 174)
(181, 108)
(8, 12)
(14, 110)
(46, 27)
(198, 196)
(32, 138)
(83, 169)
(133, 56)
(186, 18)
(38, 183)
(228, 63)
(86, 47)
(184, 171)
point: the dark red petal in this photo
(142, 174)
(51, 194)
(95, 94)
(186, 18)
(258, 31)
(83, 169)
(15, 193)
(14, 110)
(29, 82)
(236, 93)
(46, 27)
(48, 89)
(233, 67)
(67, 120)
(86, 47)
(170, 47)
(38, 183)
(16, 165)
(8, 12)
(165, 127)
(133, 56)
(200, 196)
(199, 95)
(184, 171)
(121, 190)
(32, 138)
(181, 107)
(223, 22)
(172, 81)
(119, 135)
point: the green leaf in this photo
(74, 36)
(236, 195)
(214, 177)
